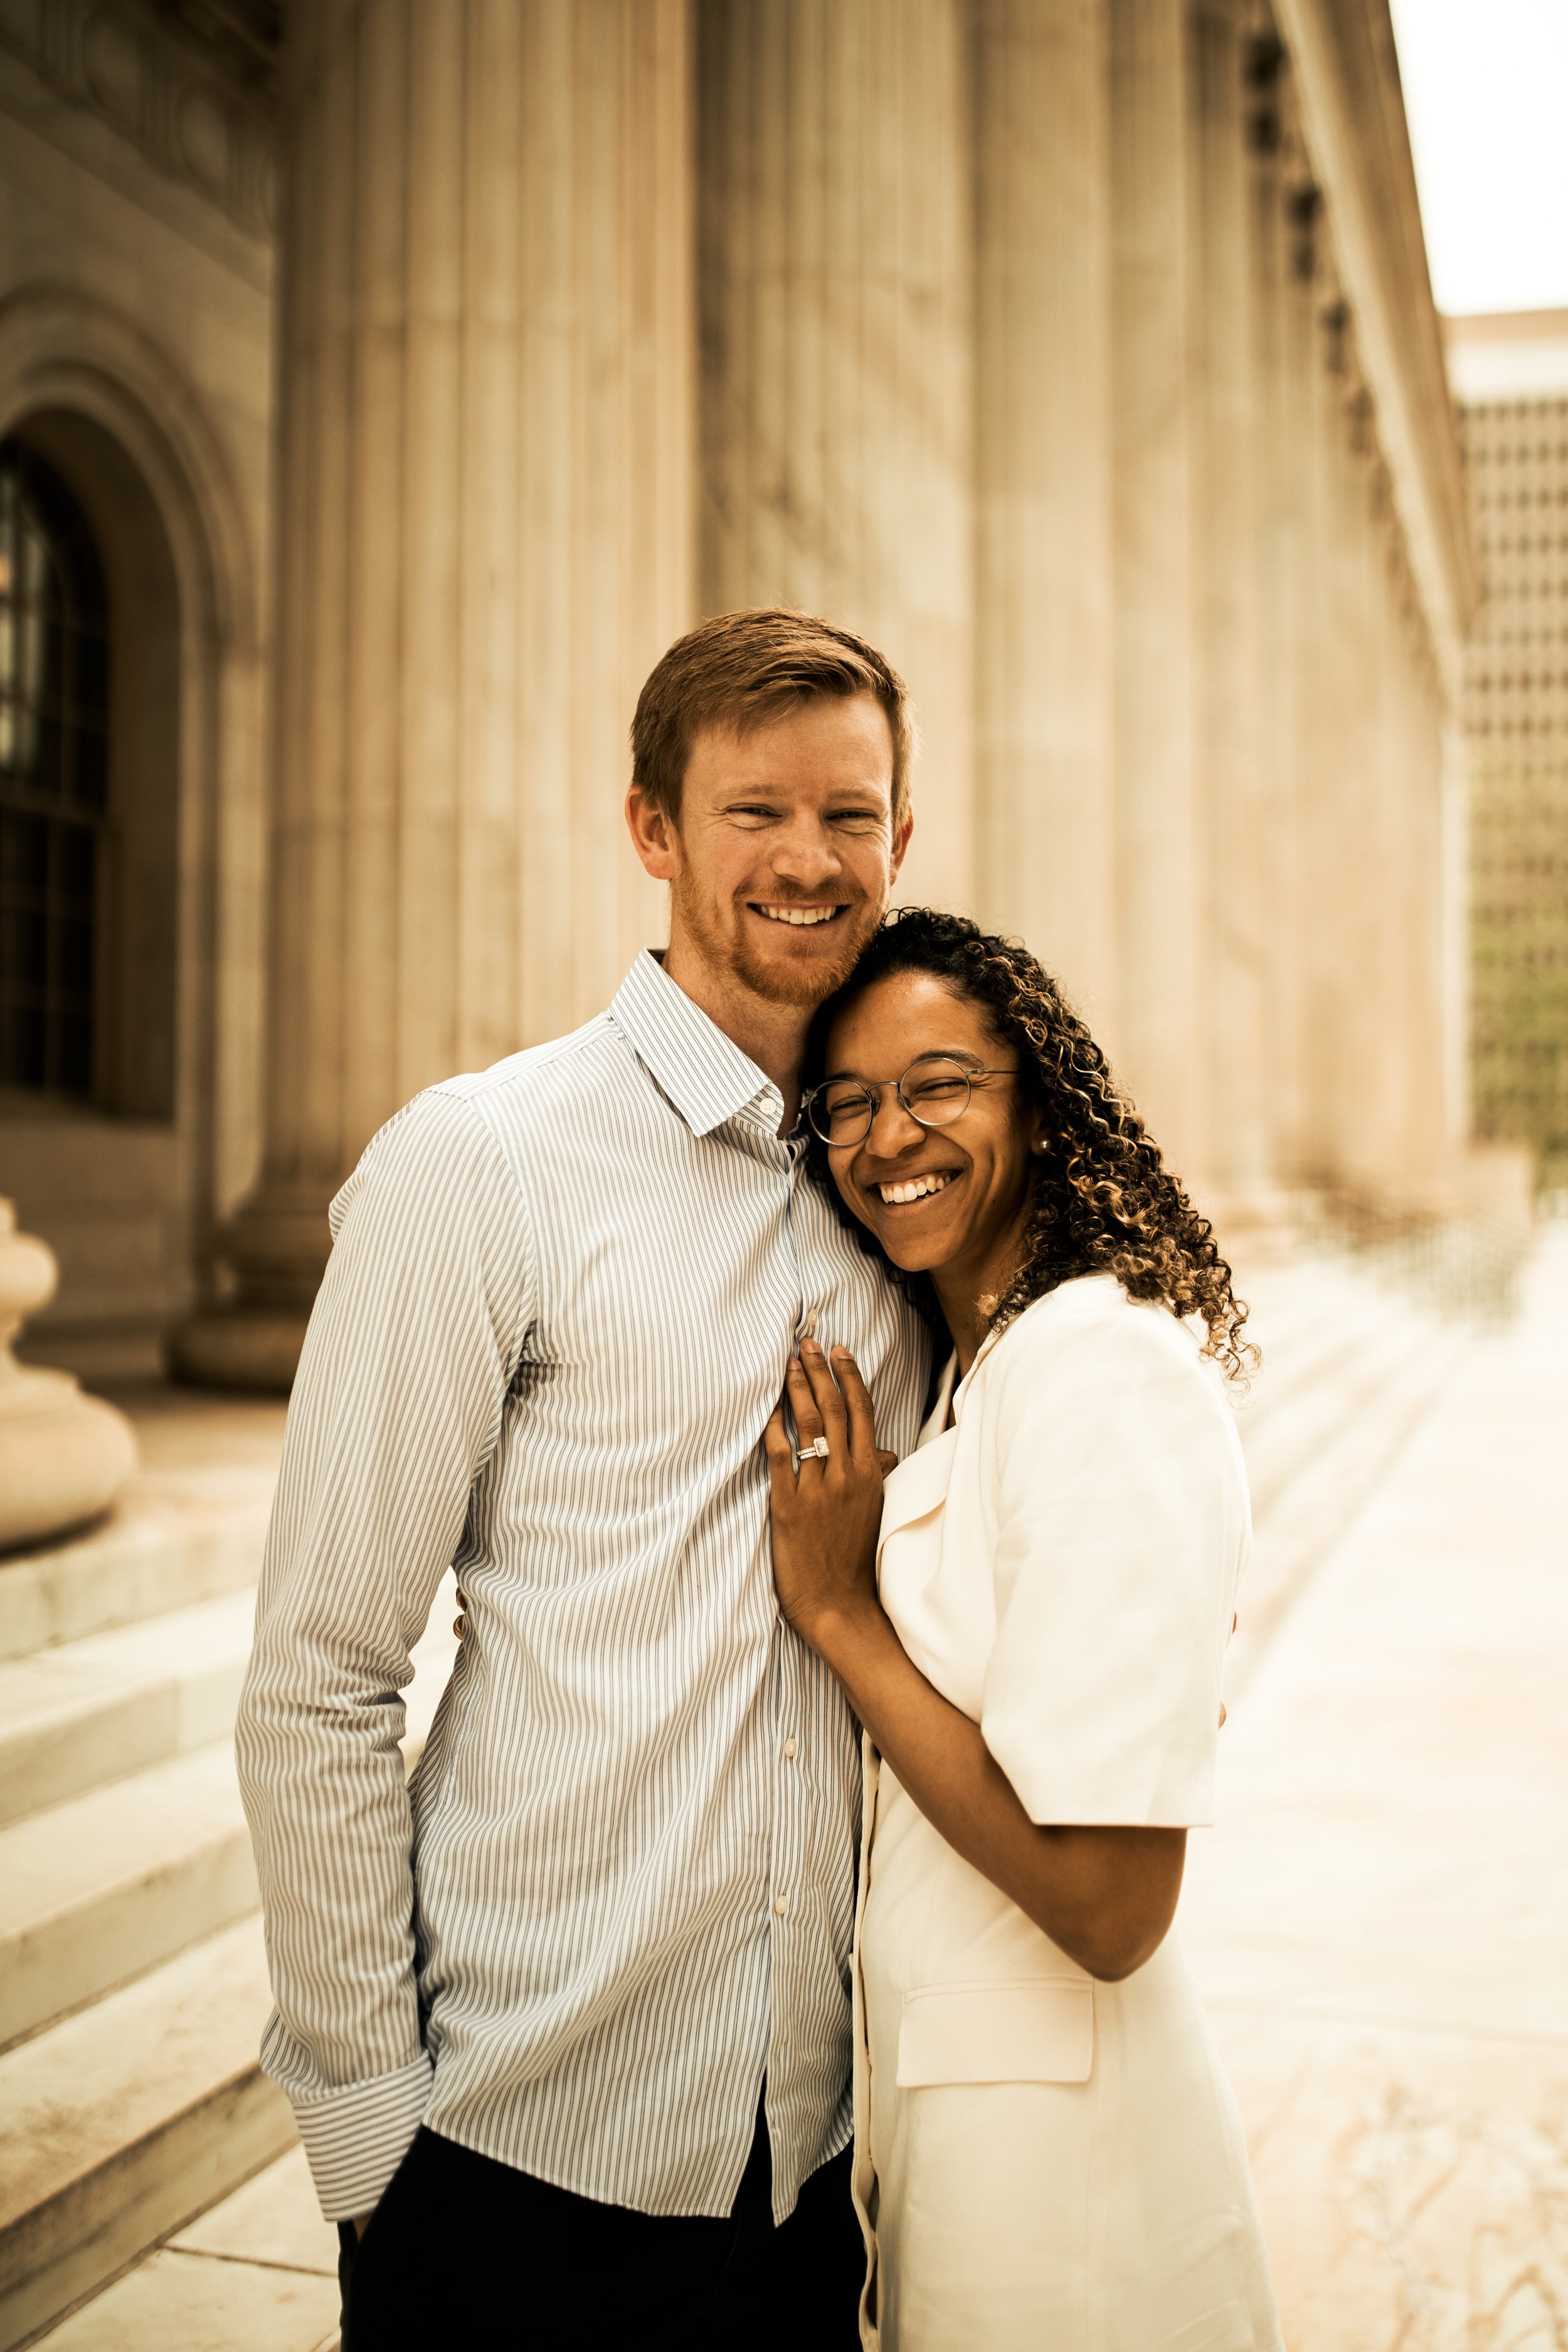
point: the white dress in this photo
(1044, 2163)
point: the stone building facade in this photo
(1080, 351)
(1510, 378)
(137, 163)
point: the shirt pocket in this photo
(1035, 2030)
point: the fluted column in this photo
(485, 479)
(1316, 659)
(1162, 1001)
(835, 278)
(1276, 468)
(1226, 614)
(1045, 671)
(1350, 972)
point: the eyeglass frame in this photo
(874, 1091)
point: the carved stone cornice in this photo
(194, 103)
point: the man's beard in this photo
(804, 986)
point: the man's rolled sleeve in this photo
(355, 2138)
(396, 1408)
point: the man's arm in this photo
(396, 1408)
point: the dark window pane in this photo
(90, 781)
(48, 765)
(25, 852)
(32, 949)
(78, 861)
(75, 967)
(52, 744)
(24, 1060)
(91, 680)
(74, 1076)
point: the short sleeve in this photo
(1122, 1525)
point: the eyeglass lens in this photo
(933, 1090)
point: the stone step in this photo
(86, 1713)
(141, 1562)
(258, 2274)
(1314, 1311)
(1318, 1504)
(97, 1890)
(1278, 1447)
(127, 2120)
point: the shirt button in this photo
(781, 1904)
(789, 1745)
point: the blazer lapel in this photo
(918, 1486)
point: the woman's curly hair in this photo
(1103, 1201)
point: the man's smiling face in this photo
(784, 853)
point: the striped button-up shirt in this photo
(619, 1891)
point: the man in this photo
(566, 2026)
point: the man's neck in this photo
(771, 1034)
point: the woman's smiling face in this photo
(970, 1182)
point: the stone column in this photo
(835, 276)
(1281, 209)
(1226, 611)
(1351, 948)
(1045, 669)
(1162, 1002)
(1316, 660)
(485, 478)
(1416, 1165)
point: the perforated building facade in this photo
(1512, 378)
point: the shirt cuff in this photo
(355, 2138)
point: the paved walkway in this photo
(1380, 1921)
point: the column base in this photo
(64, 1456)
(278, 1245)
(238, 1346)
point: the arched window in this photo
(55, 809)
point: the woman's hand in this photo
(826, 1514)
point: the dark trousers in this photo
(464, 2254)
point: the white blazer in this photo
(1043, 2161)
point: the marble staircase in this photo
(152, 2192)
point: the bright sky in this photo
(1486, 91)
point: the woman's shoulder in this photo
(1093, 1312)
(1086, 1347)
(1087, 1375)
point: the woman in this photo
(1047, 2153)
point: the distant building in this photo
(1509, 375)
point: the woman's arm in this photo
(1105, 1896)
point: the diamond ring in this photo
(816, 1452)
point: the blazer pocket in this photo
(1038, 2030)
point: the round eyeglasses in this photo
(934, 1090)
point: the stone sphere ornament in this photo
(64, 1456)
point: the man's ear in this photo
(900, 848)
(654, 836)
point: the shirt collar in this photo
(704, 1073)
